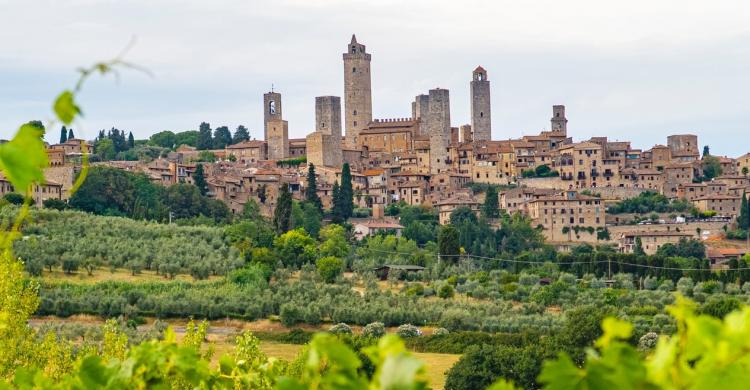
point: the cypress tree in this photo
(131, 141)
(311, 191)
(205, 140)
(70, 134)
(491, 207)
(282, 215)
(346, 195)
(241, 134)
(638, 250)
(744, 219)
(336, 213)
(199, 179)
(448, 243)
(63, 135)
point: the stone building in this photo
(248, 152)
(580, 163)
(357, 92)
(723, 205)
(420, 107)
(271, 110)
(439, 129)
(559, 123)
(324, 145)
(390, 135)
(651, 241)
(567, 217)
(481, 122)
(683, 147)
(276, 128)
(743, 164)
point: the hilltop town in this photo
(564, 186)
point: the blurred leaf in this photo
(65, 107)
(23, 159)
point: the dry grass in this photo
(438, 365)
(105, 274)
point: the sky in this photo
(631, 70)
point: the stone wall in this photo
(278, 139)
(439, 129)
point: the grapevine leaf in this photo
(561, 374)
(65, 107)
(614, 329)
(23, 159)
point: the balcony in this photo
(581, 176)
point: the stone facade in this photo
(420, 109)
(683, 147)
(277, 131)
(439, 129)
(481, 122)
(357, 91)
(324, 145)
(271, 110)
(390, 135)
(558, 122)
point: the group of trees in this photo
(540, 171)
(75, 241)
(220, 138)
(650, 202)
(202, 139)
(110, 191)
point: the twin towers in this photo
(325, 144)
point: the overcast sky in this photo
(631, 70)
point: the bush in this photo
(480, 366)
(647, 342)
(446, 291)
(290, 314)
(329, 268)
(340, 328)
(408, 330)
(14, 198)
(55, 204)
(720, 306)
(374, 329)
(440, 332)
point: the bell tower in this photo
(357, 92)
(481, 119)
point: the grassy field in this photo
(105, 274)
(438, 364)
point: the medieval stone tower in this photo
(357, 91)
(558, 121)
(439, 129)
(481, 122)
(420, 107)
(276, 130)
(271, 110)
(324, 145)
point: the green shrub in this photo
(329, 268)
(340, 328)
(408, 330)
(374, 329)
(446, 291)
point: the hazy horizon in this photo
(635, 71)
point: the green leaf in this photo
(23, 159)
(65, 107)
(614, 329)
(561, 374)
